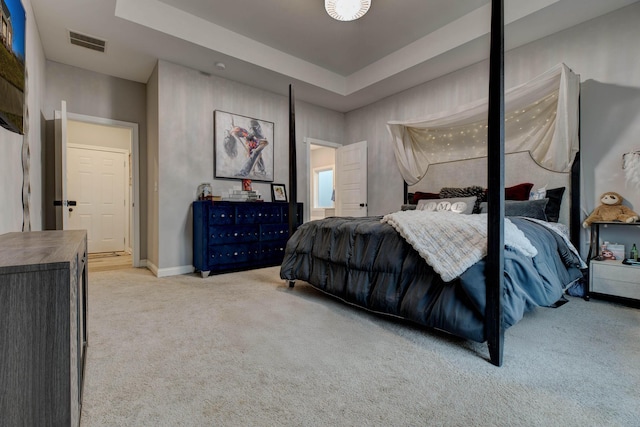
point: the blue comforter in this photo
(367, 263)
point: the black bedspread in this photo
(367, 263)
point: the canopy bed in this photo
(471, 275)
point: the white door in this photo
(96, 182)
(351, 180)
(60, 126)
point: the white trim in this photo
(315, 141)
(174, 271)
(98, 148)
(307, 145)
(151, 267)
(135, 160)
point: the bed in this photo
(369, 263)
(373, 263)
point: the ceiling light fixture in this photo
(347, 10)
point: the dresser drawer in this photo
(272, 252)
(259, 213)
(270, 232)
(613, 278)
(233, 254)
(219, 215)
(239, 234)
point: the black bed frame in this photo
(495, 199)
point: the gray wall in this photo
(152, 219)
(11, 169)
(97, 95)
(186, 102)
(603, 51)
(180, 152)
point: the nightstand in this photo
(612, 278)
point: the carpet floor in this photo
(243, 349)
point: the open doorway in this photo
(321, 178)
(92, 144)
(322, 183)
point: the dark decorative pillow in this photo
(553, 206)
(528, 208)
(474, 190)
(518, 192)
(418, 195)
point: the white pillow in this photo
(463, 205)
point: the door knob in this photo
(70, 209)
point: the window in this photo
(323, 188)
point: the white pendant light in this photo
(347, 10)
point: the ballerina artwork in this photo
(246, 151)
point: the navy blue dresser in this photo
(232, 236)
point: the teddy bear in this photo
(611, 209)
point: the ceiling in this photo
(270, 44)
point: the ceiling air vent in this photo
(87, 41)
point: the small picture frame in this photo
(278, 193)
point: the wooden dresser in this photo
(231, 236)
(43, 333)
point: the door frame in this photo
(307, 145)
(134, 202)
(127, 193)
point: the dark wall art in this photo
(243, 147)
(12, 65)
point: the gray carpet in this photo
(243, 349)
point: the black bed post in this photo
(495, 179)
(575, 225)
(293, 172)
(406, 192)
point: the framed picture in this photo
(278, 193)
(12, 65)
(243, 147)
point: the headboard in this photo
(519, 168)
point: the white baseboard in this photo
(175, 271)
(151, 266)
(166, 272)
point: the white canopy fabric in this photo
(541, 117)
